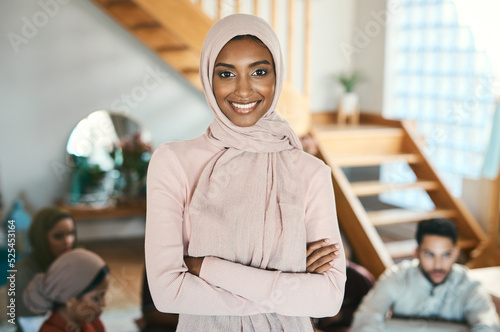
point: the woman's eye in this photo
(226, 74)
(260, 72)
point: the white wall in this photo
(332, 26)
(368, 52)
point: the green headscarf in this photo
(43, 221)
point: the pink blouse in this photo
(224, 287)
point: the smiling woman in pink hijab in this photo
(241, 231)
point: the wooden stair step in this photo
(342, 132)
(371, 188)
(182, 59)
(377, 140)
(373, 160)
(157, 38)
(132, 16)
(406, 248)
(184, 19)
(467, 243)
(110, 3)
(401, 249)
(402, 216)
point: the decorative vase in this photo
(349, 108)
(349, 103)
(129, 187)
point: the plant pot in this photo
(349, 103)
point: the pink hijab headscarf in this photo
(69, 275)
(248, 206)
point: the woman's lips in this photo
(242, 108)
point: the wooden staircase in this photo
(166, 27)
(374, 143)
(175, 31)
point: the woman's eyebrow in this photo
(262, 62)
(221, 64)
(253, 64)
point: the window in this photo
(439, 75)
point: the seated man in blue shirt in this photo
(430, 287)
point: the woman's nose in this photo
(244, 87)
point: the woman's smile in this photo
(243, 108)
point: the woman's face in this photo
(90, 305)
(61, 237)
(244, 81)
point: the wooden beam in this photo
(404, 216)
(307, 49)
(375, 160)
(291, 43)
(274, 12)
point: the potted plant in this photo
(131, 157)
(349, 102)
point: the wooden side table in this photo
(85, 212)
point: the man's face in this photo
(437, 255)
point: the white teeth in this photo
(245, 106)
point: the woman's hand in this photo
(320, 255)
(193, 264)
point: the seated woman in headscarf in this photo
(52, 232)
(241, 230)
(73, 287)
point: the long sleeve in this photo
(370, 315)
(173, 288)
(480, 312)
(292, 294)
